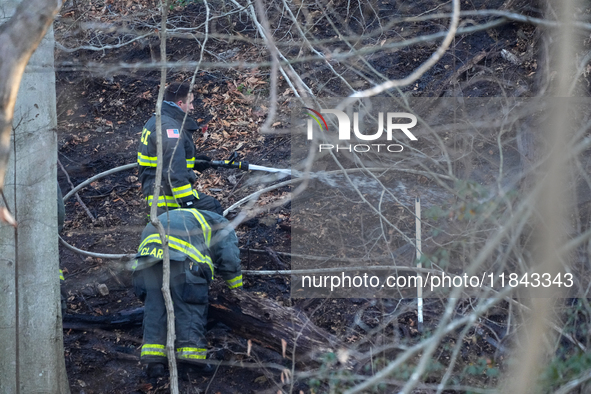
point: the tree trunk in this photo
(32, 357)
(19, 37)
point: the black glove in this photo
(189, 204)
(202, 163)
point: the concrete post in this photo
(31, 343)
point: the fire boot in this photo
(155, 370)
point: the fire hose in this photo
(231, 162)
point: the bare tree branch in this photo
(170, 336)
(304, 89)
(77, 195)
(268, 36)
(101, 48)
(94, 66)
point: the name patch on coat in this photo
(172, 133)
(151, 251)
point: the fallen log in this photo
(265, 322)
(283, 329)
(123, 319)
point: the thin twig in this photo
(442, 330)
(101, 48)
(304, 89)
(268, 36)
(77, 195)
(567, 388)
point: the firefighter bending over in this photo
(201, 244)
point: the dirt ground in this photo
(100, 117)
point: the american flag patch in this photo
(172, 133)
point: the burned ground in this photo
(100, 116)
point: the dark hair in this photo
(177, 91)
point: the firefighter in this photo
(200, 245)
(179, 155)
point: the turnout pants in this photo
(204, 202)
(189, 292)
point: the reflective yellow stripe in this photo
(150, 353)
(151, 349)
(181, 246)
(190, 349)
(191, 162)
(183, 191)
(154, 345)
(149, 239)
(191, 353)
(62, 275)
(204, 225)
(234, 283)
(190, 251)
(146, 161)
(164, 201)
